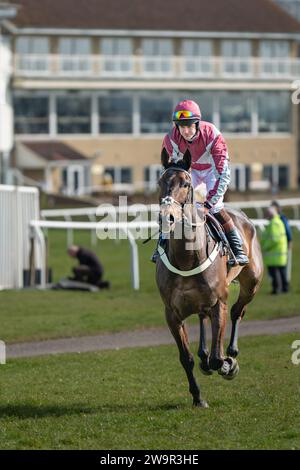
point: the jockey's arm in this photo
(221, 169)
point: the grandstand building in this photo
(100, 79)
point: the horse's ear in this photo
(187, 160)
(165, 158)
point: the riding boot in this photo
(234, 238)
(236, 244)
(163, 243)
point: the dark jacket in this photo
(287, 227)
(88, 258)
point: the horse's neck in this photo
(188, 251)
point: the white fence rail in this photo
(258, 206)
(125, 227)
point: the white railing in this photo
(128, 228)
(258, 206)
(96, 66)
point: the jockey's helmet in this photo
(186, 112)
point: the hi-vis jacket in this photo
(210, 160)
(274, 243)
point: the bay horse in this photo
(193, 278)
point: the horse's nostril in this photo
(171, 219)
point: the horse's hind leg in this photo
(203, 352)
(249, 284)
(179, 332)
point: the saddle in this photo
(216, 232)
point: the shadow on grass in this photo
(26, 410)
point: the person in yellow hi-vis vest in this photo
(275, 251)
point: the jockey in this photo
(210, 164)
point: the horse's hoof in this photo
(230, 369)
(205, 371)
(216, 363)
(232, 352)
(200, 403)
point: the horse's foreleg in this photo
(218, 324)
(203, 352)
(179, 333)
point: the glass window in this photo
(112, 46)
(119, 174)
(78, 46)
(235, 112)
(270, 52)
(117, 55)
(194, 48)
(32, 45)
(111, 172)
(197, 56)
(126, 175)
(31, 115)
(156, 114)
(73, 115)
(115, 114)
(204, 99)
(274, 49)
(157, 55)
(32, 53)
(156, 47)
(236, 48)
(283, 176)
(274, 111)
(236, 57)
(75, 54)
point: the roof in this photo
(255, 16)
(54, 151)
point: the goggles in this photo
(182, 114)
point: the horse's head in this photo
(176, 189)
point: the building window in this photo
(74, 55)
(73, 115)
(115, 115)
(119, 175)
(283, 176)
(151, 176)
(240, 177)
(277, 175)
(236, 57)
(157, 55)
(274, 49)
(197, 56)
(274, 111)
(235, 112)
(32, 53)
(31, 115)
(117, 56)
(205, 100)
(155, 114)
(271, 52)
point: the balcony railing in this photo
(142, 67)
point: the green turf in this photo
(40, 315)
(139, 399)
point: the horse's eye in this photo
(186, 184)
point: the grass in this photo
(139, 399)
(34, 315)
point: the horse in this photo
(193, 276)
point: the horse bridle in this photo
(169, 200)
